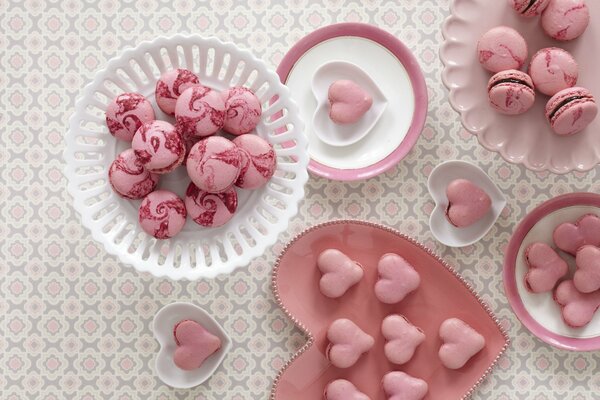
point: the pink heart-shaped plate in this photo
(441, 295)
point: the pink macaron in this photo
(129, 178)
(199, 111)
(552, 70)
(159, 147)
(511, 92)
(126, 113)
(214, 164)
(210, 209)
(502, 48)
(571, 110)
(170, 85)
(565, 19)
(162, 214)
(529, 8)
(242, 110)
(258, 161)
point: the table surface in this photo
(75, 323)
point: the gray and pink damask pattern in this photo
(76, 324)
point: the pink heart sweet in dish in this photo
(397, 278)
(194, 345)
(340, 273)
(467, 203)
(402, 338)
(401, 386)
(460, 343)
(587, 276)
(348, 102)
(577, 308)
(342, 389)
(571, 237)
(347, 342)
(546, 268)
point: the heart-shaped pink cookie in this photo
(402, 338)
(570, 237)
(587, 276)
(347, 342)
(577, 308)
(342, 389)
(460, 342)
(397, 278)
(194, 345)
(467, 203)
(546, 268)
(340, 273)
(401, 386)
(348, 102)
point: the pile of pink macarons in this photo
(552, 71)
(215, 164)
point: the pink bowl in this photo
(442, 294)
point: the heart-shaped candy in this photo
(194, 345)
(467, 203)
(347, 342)
(460, 342)
(587, 276)
(397, 278)
(402, 338)
(348, 102)
(401, 386)
(577, 308)
(570, 237)
(342, 389)
(546, 268)
(340, 273)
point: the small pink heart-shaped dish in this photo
(401, 386)
(460, 342)
(340, 273)
(179, 329)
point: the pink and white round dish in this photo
(526, 139)
(129, 178)
(162, 214)
(214, 164)
(538, 311)
(170, 85)
(126, 113)
(210, 209)
(159, 147)
(199, 111)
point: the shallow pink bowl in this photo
(442, 294)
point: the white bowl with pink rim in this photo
(196, 252)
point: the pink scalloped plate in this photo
(525, 139)
(442, 294)
(538, 312)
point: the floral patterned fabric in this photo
(76, 324)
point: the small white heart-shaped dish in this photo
(438, 181)
(344, 135)
(163, 325)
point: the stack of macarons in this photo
(214, 163)
(552, 71)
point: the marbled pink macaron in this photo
(129, 178)
(214, 164)
(571, 110)
(170, 85)
(162, 214)
(511, 92)
(189, 142)
(242, 110)
(258, 161)
(529, 8)
(565, 19)
(159, 147)
(502, 48)
(210, 209)
(126, 113)
(199, 111)
(552, 70)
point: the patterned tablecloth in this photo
(75, 323)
